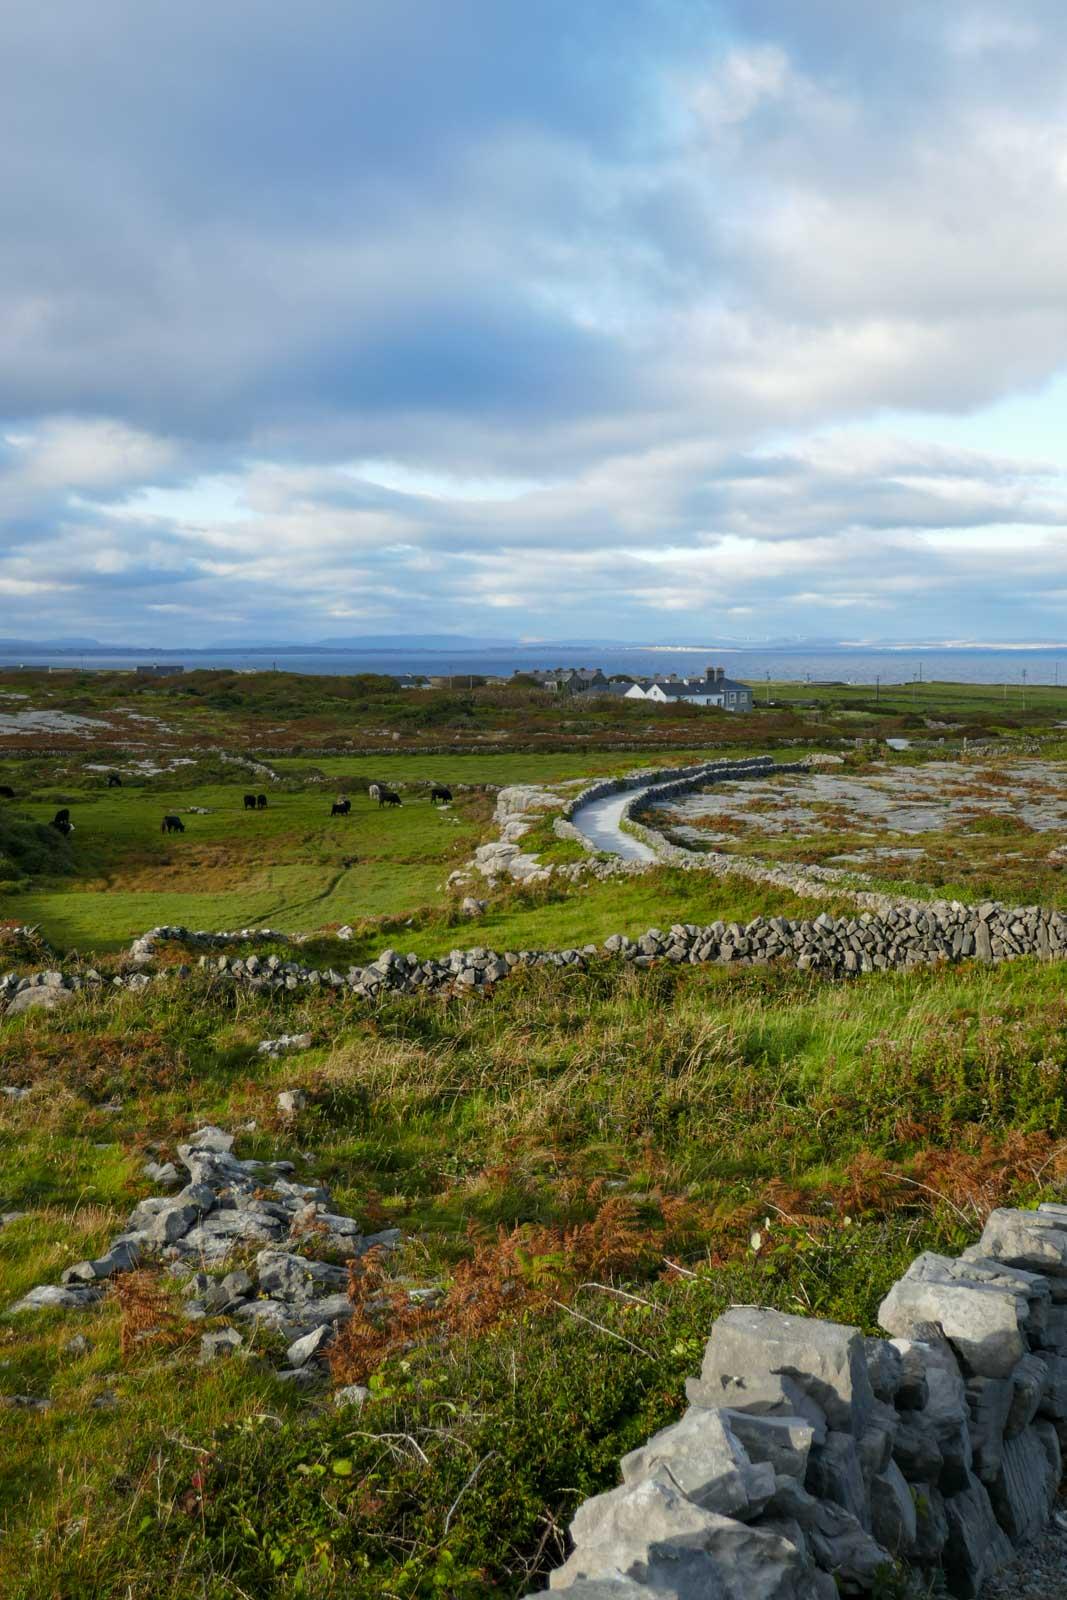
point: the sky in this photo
(666, 321)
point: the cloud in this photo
(585, 315)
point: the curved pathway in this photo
(598, 821)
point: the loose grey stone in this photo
(707, 1462)
(301, 1351)
(44, 999)
(353, 1394)
(222, 1342)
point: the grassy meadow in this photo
(589, 1165)
(580, 1164)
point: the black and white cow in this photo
(340, 808)
(172, 824)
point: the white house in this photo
(713, 689)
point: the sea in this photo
(1014, 665)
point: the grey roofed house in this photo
(566, 680)
(608, 690)
(713, 689)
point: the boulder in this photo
(1024, 1489)
(303, 1350)
(834, 1473)
(784, 1442)
(825, 1360)
(223, 1342)
(984, 1323)
(706, 1461)
(291, 1277)
(884, 1368)
(1030, 1380)
(893, 1515)
(1034, 1240)
(975, 1546)
(847, 1551)
(652, 1533)
(41, 997)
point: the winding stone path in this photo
(598, 821)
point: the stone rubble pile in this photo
(284, 1045)
(229, 1207)
(812, 1460)
(145, 948)
(50, 988)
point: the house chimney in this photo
(720, 673)
(709, 674)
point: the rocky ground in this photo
(1040, 1571)
(216, 1210)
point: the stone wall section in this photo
(902, 936)
(812, 1461)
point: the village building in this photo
(713, 689)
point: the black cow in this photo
(7, 791)
(250, 802)
(261, 802)
(340, 808)
(114, 781)
(439, 794)
(62, 816)
(172, 824)
(62, 825)
(386, 797)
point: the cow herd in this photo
(341, 807)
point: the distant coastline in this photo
(1011, 664)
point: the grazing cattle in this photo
(62, 825)
(62, 816)
(440, 795)
(7, 791)
(386, 797)
(114, 781)
(261, 802)
(250, 802)
(374, 790)
(172, 824)
(340, 808)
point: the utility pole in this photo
(1024, 688)
(877, 688)
(768, 688)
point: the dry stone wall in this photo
(902, 936)
(812, 1461)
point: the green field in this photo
(578, 1162)
(579, 1130)
(292, 866)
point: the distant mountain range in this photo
(431, 642)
